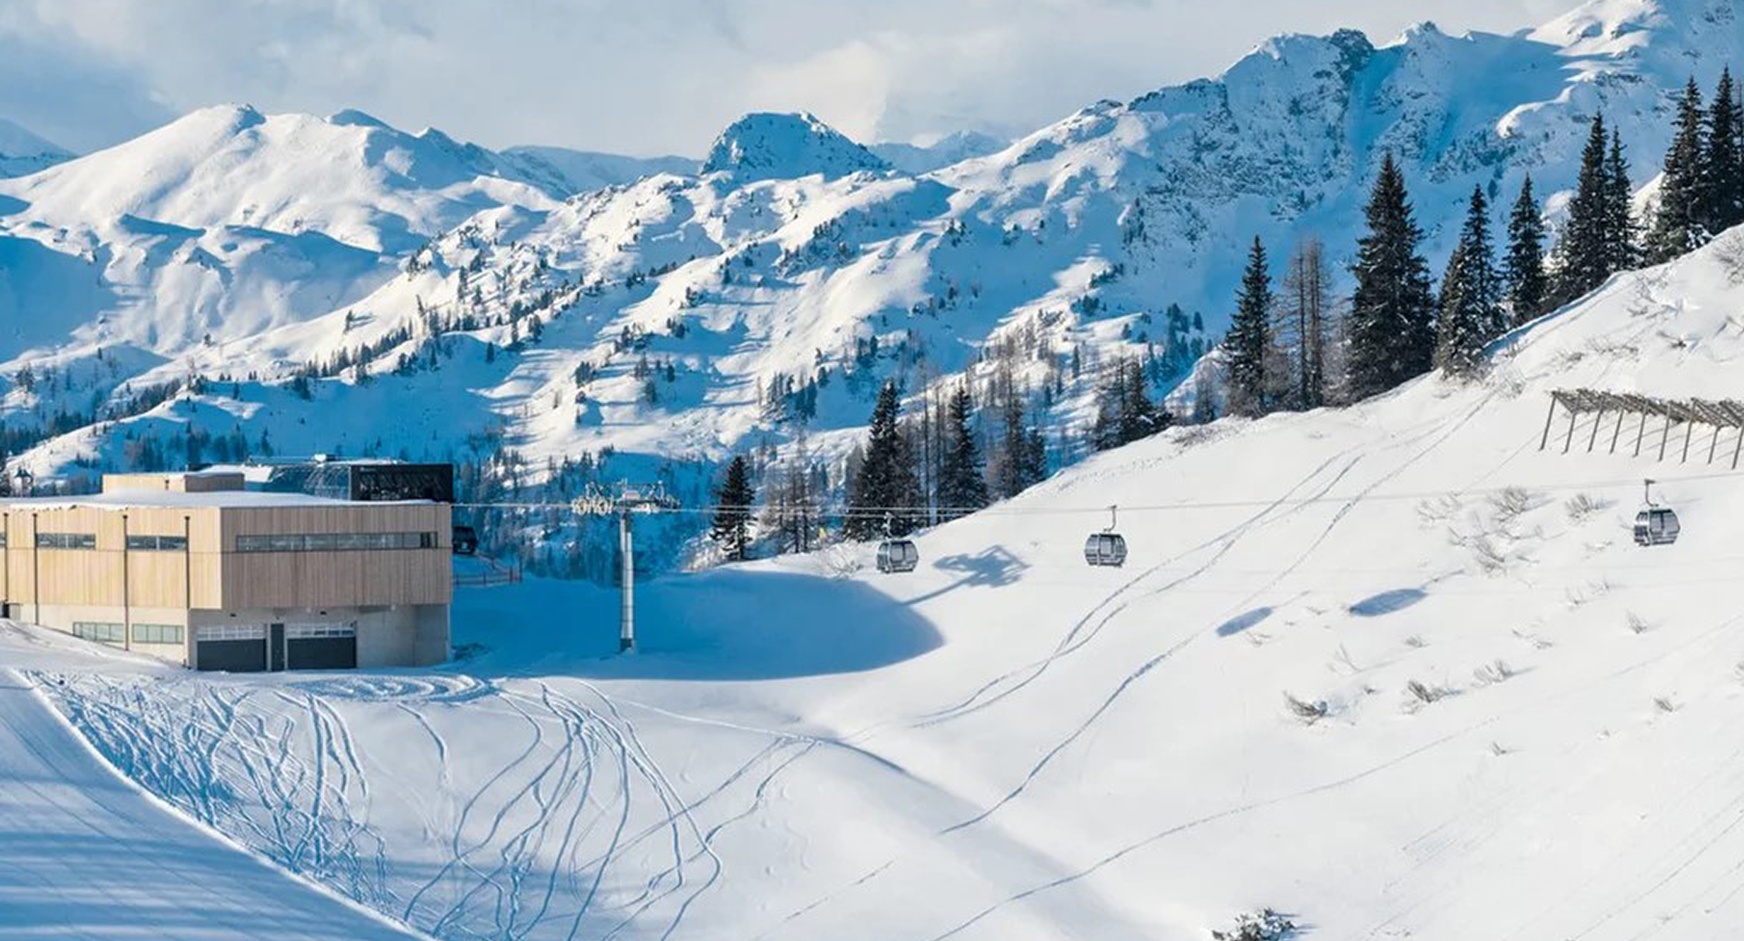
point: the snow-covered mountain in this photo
(23, 152)
(786, 147)
(584, 171)
(1392, 670)
(691, 316)
(947, 150)
(228, 222)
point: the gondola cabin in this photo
(1105, 550)
(1656, 526)
(897, 555)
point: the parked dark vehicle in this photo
(465, 540)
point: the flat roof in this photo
(162, 499)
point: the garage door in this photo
(321, 646)
(238, 648)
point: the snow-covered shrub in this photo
(1439, 510)
(1581, 507)
(1492, 673)
(1263, 925)
(1422, 694)
(1510, 504)
(1307, 712)
(1636, 623)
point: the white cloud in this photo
(662, 75)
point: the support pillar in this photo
(1619, 432)
(627, 563)
(1598, 420)
(1548, 418)
(1566, 442)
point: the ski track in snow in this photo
(566, 807)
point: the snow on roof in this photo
(223, 499)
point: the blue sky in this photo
(646, 76)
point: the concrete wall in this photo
(62, 617)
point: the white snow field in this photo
(1009, 745)
(85, 853)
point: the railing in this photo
(492, 574)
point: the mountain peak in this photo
(766, 146)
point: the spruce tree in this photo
(1471, 312)
(887, 489)
(732, 523)
(1249, 341)
(1139, 416)
(1527, 284)
(1723, 160)
(962, 484)
(1677, 224)
(1623, 251)
(1392, 325)
(1586, 250)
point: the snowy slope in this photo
(89, 855)
(228, 222)
(917, 158)
(798, 246)
(22, 152)
(1009, 745)
(786, 147)
(584, 171)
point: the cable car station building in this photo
(193, 568)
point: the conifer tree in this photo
(1139, 417)
(1021, 466)
(1585, 252)
(1723, 160)
(1249, 342)
(1527, 284)
(1392, 325)
(1623, 250)
(962, 484)
(1677, 224)
(887, 489)
(732, 523)
(1471, 312)
(1124, 410)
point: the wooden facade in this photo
(210, 573)
(187, 555)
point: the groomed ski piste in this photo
(1530, 724)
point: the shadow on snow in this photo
(726, 624)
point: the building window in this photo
(157, 634)
(334, 542)
(100, 631)
(66, 540)
(231, 632)
(312, 631)
(157, 543)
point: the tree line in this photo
(1279, 350)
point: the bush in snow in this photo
(1492, 673)
(1308, 712)
(1581, 507)
(1263, 925)
(1422, 694)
